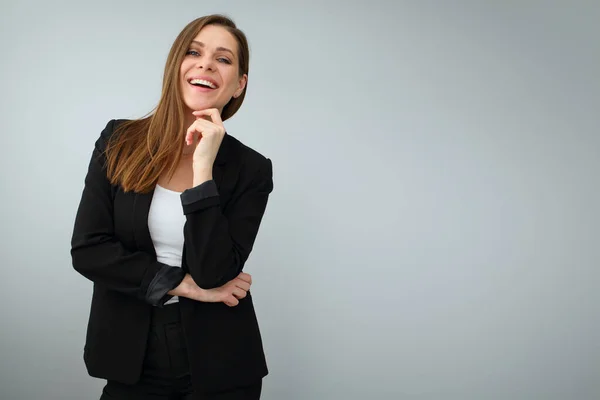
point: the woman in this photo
(168, 216)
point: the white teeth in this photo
(203, 82)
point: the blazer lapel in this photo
(141, 209)
(221, 160)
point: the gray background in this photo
(433, 233)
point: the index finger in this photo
(245, 277)
(213, 113)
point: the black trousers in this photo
(166, 374)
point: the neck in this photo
(189, 118)
(188, 150)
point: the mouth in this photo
(202, 83)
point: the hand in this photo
(208, 132)
(231, 292)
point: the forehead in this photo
(214, 36)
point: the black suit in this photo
(112, 247)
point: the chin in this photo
(196, 106)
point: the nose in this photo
(206, 63)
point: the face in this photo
(209, 72)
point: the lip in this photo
(204, 78)
(201, 89)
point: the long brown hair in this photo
(141, 150)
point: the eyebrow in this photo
(218, 48)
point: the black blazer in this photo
(111, 246)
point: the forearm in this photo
(202, 177)
(229, 293)
(189, 289)
(204, 222)
(219, 237)
(185, 288)
(137, 274)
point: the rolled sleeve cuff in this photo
(198, 197)
(166, 279)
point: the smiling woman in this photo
(169, 214)
(213, 46)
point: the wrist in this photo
(183, 289)
(205, 295)
(202, 166)
(202, 173)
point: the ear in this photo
(241, 85)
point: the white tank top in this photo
(165, 222)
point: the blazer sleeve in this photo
(99, 256)
(219, 240)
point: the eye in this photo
(192, 53)
(224, 60)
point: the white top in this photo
(165, 222)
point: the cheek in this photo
(232, 81)
(185, 66)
